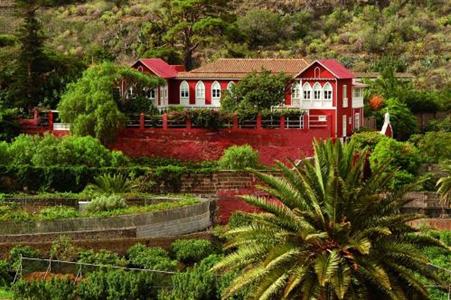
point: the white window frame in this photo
(344, 126)
(317, 91)
(200, 92)
(327, 91)
(345, 95)
(357, 92)
(307, 91)
(296, 91)
(357, 121)
(184, 92)
(215, 96)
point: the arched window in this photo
(184, 92)
(200, 92)
(327, 91)
(307, 89)
(140, 69)
(216, 93)
(317, 91)
(229, 85)
(295, 91)
(316, 72)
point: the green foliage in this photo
(169, 178)
(5, 275)
(444, 183)
(239, 158)
(102, 257)
(90, 104)
(295, 248)
(20, 251)
(118, 284)
(239, 219)
(367, 140)
(401, 158)
(63, 249)
(58, 212)
(208, 118)
(433, 145)
(67, 151)
(197, 282)
(403, 121)
(256, 92)
(106, 203)
(110, 183)
(8, 122)
(150, 258)
(53, 289)
(441, 125)
(191, 251)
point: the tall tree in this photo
(334, 233)
(32, 61)
(191, 23)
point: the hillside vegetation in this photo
(413, 36)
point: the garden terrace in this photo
(170, 218)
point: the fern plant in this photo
(329, 232)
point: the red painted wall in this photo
(201, 144)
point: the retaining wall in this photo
(202, 144)
(171, 222)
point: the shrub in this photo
(403, 121)
(150, 258)
(4, 155)
(402, 158)
(367, 140)
(190, 251)
(54, 289)
(118, 284)
(63, 249)
(20, 251)
(58, 212)
(197, 282)
(239, 158)
(169, 178)
(208, 118)
(5, 275)
(434, 145)
(102, 257)
(105, 203)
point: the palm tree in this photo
(327, 231)
(444, 183)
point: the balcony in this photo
(357, 102)
(316, 104)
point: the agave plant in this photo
(444, 184)
(111, 183)
(327, 231)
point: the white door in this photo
(344, 126)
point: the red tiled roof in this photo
(160, 67)
(236, 68)
(336, 68)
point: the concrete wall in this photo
(172, 222)
(202, 144)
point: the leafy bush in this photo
(63, 249)
(118, 284)
(441, 125)
(58, 212)
(367, 140)
(434, 145)
(150, 258)
(190, 251)
(54, 289)
(402, 158)
(239, 158)
(20, 251)
(197, 282)
(403, 121)
(5, 275)
(208, 118)
(67, 151)
(102, 257)
(106, 203)
(169, 178)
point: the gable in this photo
(316, 70)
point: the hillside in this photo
(413, 36)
